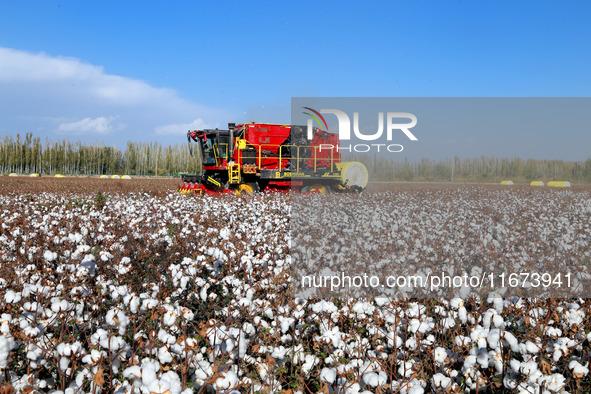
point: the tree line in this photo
(476, 169)
(29, 155)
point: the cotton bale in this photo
(115, 177)
(125, 177)
(506, 182)
(559, 184)
(536, 183)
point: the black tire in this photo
(255, 186)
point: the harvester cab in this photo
(254, 157)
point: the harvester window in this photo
(209, 154)
(215, 147)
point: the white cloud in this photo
(100, 125)
(182, 128)
(66, 95)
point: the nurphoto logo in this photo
(345, 129)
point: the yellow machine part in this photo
(353, 173)
(234, 173)
(318, 188)
(244, 188)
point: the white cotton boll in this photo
(64, 363)
(579, 371)
(224, 234)
(482, 357)
(394, 340)
(31, 332)
(310, 362)
(511, 340)
(173, 380)
(227, 381)
(60, 306)
(134, 372)
(49, 256)
(87, 266)
(375, 379)
(149, 370)
(415, 386)
(134, 303)
(354, 388)
(496, 358)
(469, 362)
(554, 332)
(498, 321)
(248, 328)
(169, 318)
(440, 381)
(203, 292)
(117, 318)
(528, 368)
(12, 297)
(498, 304)
(531, 347)
(405, 368)
(486, 319)
(286, 323)
(429, 341)
(7, 344)
(328, 375)
(411, 343)
(159, 387)
(413, 325)
(440, 355)
(448, 323)
(165, 337)
(555, 382)
(463, 314)
(94, 357)
(456, 303)
(462, 340)
(494, 339)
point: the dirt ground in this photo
(157, 186)
(435, 186)
(92, 185)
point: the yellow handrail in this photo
(282, 157)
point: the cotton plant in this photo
(174, 294)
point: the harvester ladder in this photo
(234, 173)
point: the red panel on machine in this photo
(270, 135)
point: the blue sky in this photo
(114, 71)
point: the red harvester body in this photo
(255, 157)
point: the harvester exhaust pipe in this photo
(231, 127)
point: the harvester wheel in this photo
(318, 188)
(245, 188)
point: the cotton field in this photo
(136, 291)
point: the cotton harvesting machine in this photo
(253, 157)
